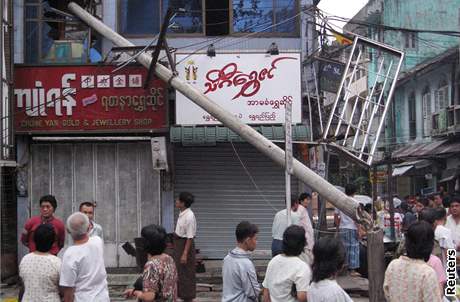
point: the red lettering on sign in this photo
(250, 83)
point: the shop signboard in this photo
(253, 86)
(87, 98)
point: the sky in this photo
(341, 8)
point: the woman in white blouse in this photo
(329, 257)
(39, 270)
(184, 247)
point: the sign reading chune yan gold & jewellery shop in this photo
(87, 98)
(253, 86)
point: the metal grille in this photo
(358, 115)
(225, 194)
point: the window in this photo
(426, 111)
(51, 37)
(210, 17)
(410, 40)
(412, 117)
(142, 17)
(257, 15)
(442, 96)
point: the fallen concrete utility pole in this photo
(348, 205)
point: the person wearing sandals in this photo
(329, 258)
(159, 280)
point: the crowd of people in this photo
(301, 269)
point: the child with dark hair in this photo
(159, 280)
(329, 258)
(287, 270)
(409, 278)
(39, 270)
(238, 272)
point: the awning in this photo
(404, 167)
(418, 150)
(210, 135)
(449, 174)
(401, 170)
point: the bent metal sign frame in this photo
(87, 98)
(253, 86)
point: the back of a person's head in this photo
(293, 240)
(424, 201)
(404, 206)
(350, 189)
(419, 240)
(187, 198)
(78, 225)
(439, 213)
(44, 237)
(245, 230)
(329, 257)
(428, 215)
(154, 239)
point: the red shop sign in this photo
(93, 98)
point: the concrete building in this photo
(423, 115)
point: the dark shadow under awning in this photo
(449, 174)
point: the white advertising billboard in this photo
(253, 86)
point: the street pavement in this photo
(209, 284)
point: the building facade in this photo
(104, 150)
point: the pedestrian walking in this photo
(159, 280)
(238, 272)
(83, 276)
(39, 270)
(305, 222)
(48, 205)
(329, 258)
(287, 277)
(409, 278)
(348, 232)
(184, 247)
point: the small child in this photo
(329, 257)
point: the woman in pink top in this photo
(436, 264)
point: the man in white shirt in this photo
(453, 220)
(83, 276)
(287, 271)
(348, 232)
(280, 225)
(88, 208)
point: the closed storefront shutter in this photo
(118, 176)
(226, 195)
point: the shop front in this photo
(85, 133)
(231, 180)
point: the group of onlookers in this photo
(80, 275)
(300, 270)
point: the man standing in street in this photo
(88, 208)
(280, 225)
(239, 275)
(48, 206)
(83, 276)
(348, 233)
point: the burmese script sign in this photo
(87, 98)
(255, 87)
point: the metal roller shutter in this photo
(225, 194)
